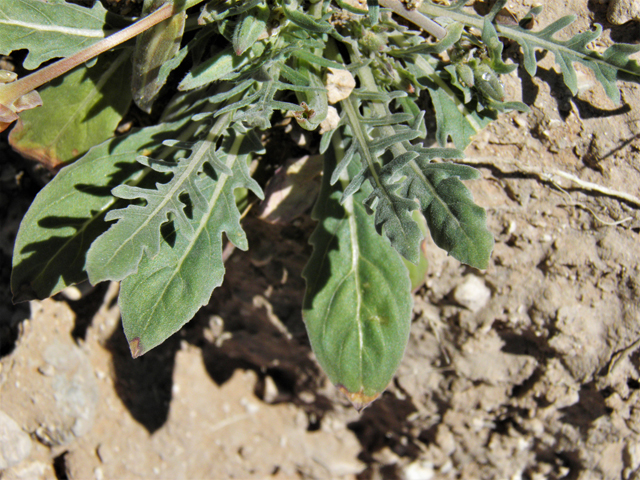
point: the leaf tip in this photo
(136, 348)
(23, 294)
(359, 400)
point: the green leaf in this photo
(155, 48)
(608, 67)
(454, 119)
(307, 22)
(174, 281)
(249, 29)
(403, 180)
(116, 254)
(68, 214)
(392, 212)
(219, 66)
(50, 29)
(456, 223)
(81, 110)
(357, 307)
(495, 47)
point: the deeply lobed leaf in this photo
(68, 214)
(116, 254)
(608, 67)
(170, 285)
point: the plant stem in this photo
(14, 90)
(415, 17)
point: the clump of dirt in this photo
(530, 369)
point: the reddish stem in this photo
(15, 90)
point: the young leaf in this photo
(170, 285)
(315, 97)
(68, 214)
(155, 48)
(357, 307)
(219, 66)
(307, 22)
(80, 111)
(454, 118)
(250, 28)
(50, 29)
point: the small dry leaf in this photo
(7, 77)
(340, 84)
(9, 106)
(7, 117)
(27, 101)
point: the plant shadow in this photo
(254, 320)
(64, 255)
(252, 323)
(144, 384)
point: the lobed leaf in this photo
(172, 283)
(403, 180)
(608, 67)
(115, 254)
(456, 223)
(68, 214)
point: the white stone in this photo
(472, 293)
(419, 470)
(15, 444)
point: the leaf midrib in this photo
(204, 221)
(177, 185)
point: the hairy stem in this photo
(415, 17)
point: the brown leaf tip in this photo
(135, 347)
(359, 400)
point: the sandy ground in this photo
(529, 370)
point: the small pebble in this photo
(15, 444)
(472, 293)
(47, 370)
(419, 470)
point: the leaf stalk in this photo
(415, 17)
(11, 92)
